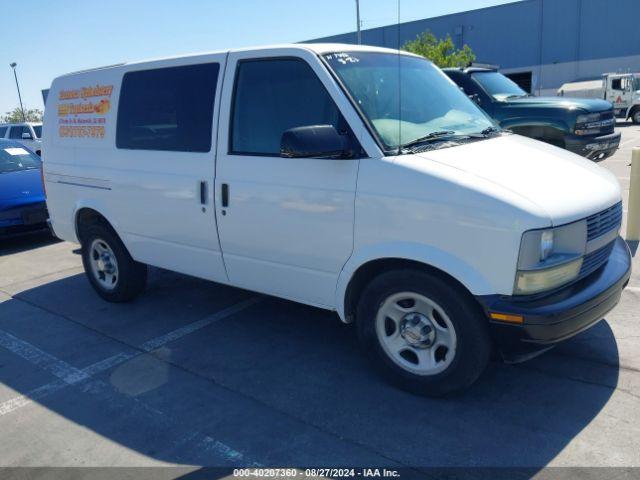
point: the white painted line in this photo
(36, 394)
(108, 363)
(211, 444)
(192, 327)
(70, 375)
(37, 357)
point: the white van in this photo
(356, 179)
(28, 133)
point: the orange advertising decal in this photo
(84, 115)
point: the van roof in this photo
(318, 48)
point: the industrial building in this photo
(540, 44)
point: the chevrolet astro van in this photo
(355, 179)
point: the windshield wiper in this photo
(437, 135)
(489, 130)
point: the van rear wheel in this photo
(422, 333)
(114, 275)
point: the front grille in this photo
(603, 124)
(604, 221)
(594, 260)
(607, 116)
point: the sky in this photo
(47, 38)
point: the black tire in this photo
(635, 116)
(473, 344)
(132, 276)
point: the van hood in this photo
(586, 104)
(564, 185)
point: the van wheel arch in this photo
(86, 217)
(368, 271)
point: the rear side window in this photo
(272, 96)
(16, 132)
(168, 109)
(3, 131)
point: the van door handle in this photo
(225, 195)
(203, 193)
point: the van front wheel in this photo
(112, 272)
(423, 334)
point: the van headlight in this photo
(534, 281)
(550, 258)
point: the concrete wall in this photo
(557, 40)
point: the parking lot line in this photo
(39, 358)
(192, 327)
(70, 375)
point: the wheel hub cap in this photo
(104, 263)
(417, 330)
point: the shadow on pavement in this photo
(284, 384)
(26, 242)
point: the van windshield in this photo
(498, 86)
(14, 157)
(406, 98)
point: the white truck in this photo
(621, 89)
(28, 134)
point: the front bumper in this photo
(562, 314)
(23, 219)
(594, 148)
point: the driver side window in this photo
(272, 96)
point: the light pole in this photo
(14, 65)
(358, 21)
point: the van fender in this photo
(466, 274)
(100, 207)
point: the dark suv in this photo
(583, 126)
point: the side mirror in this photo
(27, 136)
(313, 141)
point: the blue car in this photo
(22, 200)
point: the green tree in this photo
(15, 116)
(442, 52)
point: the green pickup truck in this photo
(583, 126)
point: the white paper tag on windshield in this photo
(16, 151)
